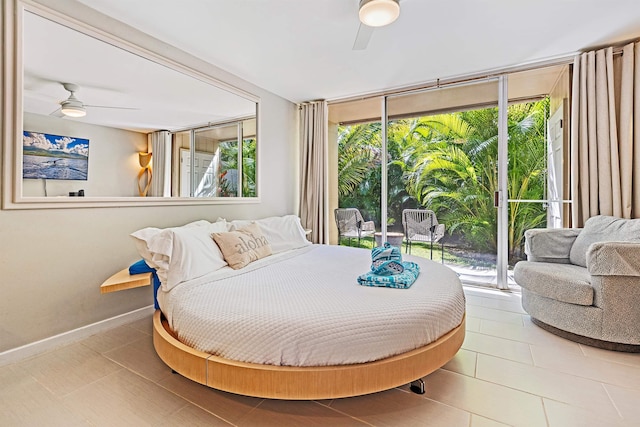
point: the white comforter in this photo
(305, 308)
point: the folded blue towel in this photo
(139, 267)
(388, 270)
(404, 280)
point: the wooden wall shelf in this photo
(123, 280)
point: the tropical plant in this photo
(359, 148)
(458, 179)
(448, 163)
(229, 168)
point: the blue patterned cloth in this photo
(403, 280)
(386, 260)
(388, 269)
(386, 252)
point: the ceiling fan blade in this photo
(362, 38)
(57, 113)
(109, 106)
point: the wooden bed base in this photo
(302, 383)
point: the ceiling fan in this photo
(73, 107)
(372, 14)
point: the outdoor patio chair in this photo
(421, 225)
(351, 224)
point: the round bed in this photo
(302, 383)
(397, 335)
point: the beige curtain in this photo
(314, 186)
(160, 143)
(605, 134)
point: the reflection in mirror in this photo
(125, 104)
(219, 168)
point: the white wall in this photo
(52, 261)
(113, 158)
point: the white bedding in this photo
(304, 308)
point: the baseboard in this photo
(32, 349)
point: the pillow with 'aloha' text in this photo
(242, 246)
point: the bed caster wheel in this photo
(417, 386)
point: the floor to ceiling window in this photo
(440, 151)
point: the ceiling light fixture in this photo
(73, 108)
(378, 13)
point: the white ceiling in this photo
(302, 49)
(153, 96)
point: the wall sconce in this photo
(145, 164)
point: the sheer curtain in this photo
(160, 143)
(605, 134)
(314, 186)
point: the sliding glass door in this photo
(490, 159)
(442, 149)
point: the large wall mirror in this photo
(93, 111)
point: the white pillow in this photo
(184, 253)
(143, 236)
(141, 239)
(282, 232)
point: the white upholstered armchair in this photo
(584, 284)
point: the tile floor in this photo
(508, 372)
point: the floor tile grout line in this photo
(556, 371)
(596, 360)
(614, 362)
(602, 359)
(475, 366)
(520, 310)
(63, 395)
(500, 338)
(613, 402)
(599, 382)
(60, 398)
(512, 339)
(117, 347)
(544, 410)
(544, 396)
(588, 410)
(497, 309)
(189, 401)
(498, 312)
(448, 405)
(343, 413)
(492, 383)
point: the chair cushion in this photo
(603, 229)
(562, 282)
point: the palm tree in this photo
(449, 163)
(457, 175)
(359, 148)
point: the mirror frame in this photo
(11, 108)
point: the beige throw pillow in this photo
(245, 245)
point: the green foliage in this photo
(448, 163)
(229, 168)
